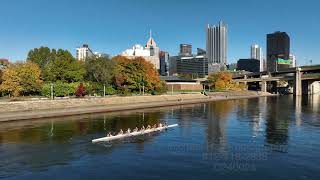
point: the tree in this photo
(221, 80)
(135, 73)
(41, 56)
(65, 70)
(30, 74)
(57, 65)
(99, 70)
(11, 81)
(21, 79)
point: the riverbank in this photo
(35, 109)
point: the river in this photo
(259, 138)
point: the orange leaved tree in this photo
(221, 80)
(134, 74)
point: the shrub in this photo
(81, 91)
(60, 89)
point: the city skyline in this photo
(24, 29)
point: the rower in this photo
(160, 124)
(120, 132)
(109, 134)
(135, 129)
(148, 127)
(128, 131)
(154, 126)
(142, 129)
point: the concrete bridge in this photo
(303, 80)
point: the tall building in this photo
(173, 65)
(150, 52)
(278, 51)
(216, 45)
(256, 53)
(195, 66)
(164, 63)
(84, 52)
(185, 50)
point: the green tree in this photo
(64, 69)
(100, 70)
(57, 65)
(41, 56)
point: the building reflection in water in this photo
(217, 115)
(277, 120)
(254, 112)
(259, 119)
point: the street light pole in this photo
(51, 91)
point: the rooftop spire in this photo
(150, 33)
(151, 41)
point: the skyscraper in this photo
(278, 48)
(185, 50)
(164, 63)
(216, 45)
(256, 53)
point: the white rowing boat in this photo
(125, 135)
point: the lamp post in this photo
(51, 91)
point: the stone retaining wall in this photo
(20, 106)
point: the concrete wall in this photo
(21, 106)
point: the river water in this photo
(261, 138)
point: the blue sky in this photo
(112, 26)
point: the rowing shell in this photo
(132, 134)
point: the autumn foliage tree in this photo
(221, 81)
(21, 79)
(134, 74)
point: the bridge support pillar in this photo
(298, 83)
(264, 86)
(274, 85)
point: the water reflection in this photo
(262, 122)
(217, 117)
(277, 121)
(61, 131)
